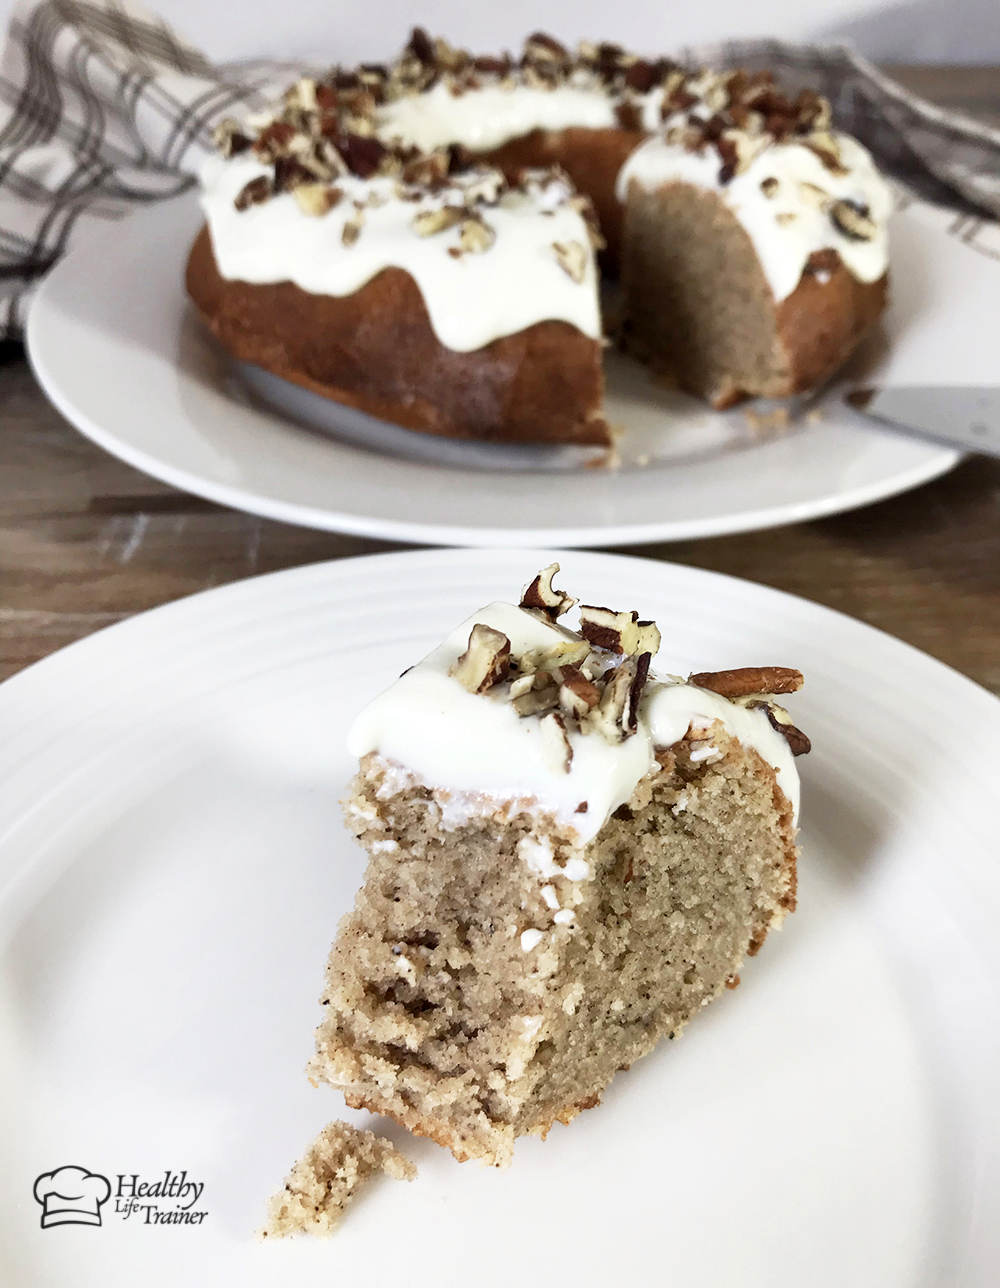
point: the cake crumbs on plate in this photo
(323, 1183)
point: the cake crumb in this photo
(323, 1183)
(762, 422)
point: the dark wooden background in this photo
(86, 541)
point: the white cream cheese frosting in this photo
(486, 118)
(782, 199)
(475, 749)
(471, 299)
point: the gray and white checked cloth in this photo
(103, 107)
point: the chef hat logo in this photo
(71, 1196)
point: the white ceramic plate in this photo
(120, 352)
(173, 867)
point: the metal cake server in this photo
(964, 417)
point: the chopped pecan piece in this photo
(577, 694)
(641, 76)
(780, 720)
(747, 680)
(618, 632)
(540, 594)
(229, 138)
(573, 258)
(422, 47)
(566, 652)
(289, 173)
(428, 171)
(609, 718)
(616, 717)
(254, 193)
(427, 223)
(485, 662)
(853, 219)
(635, 691)
(353, 225)
(535, 701)
(475, 236)
(316, 198)
(545, 49)
(363, 155)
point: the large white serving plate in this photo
(120, 352)
(173, 867)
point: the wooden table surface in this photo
(87, 541)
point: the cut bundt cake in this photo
(569, 856)
(418, 240)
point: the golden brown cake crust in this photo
(820, 323)
(376, 350)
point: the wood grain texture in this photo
(86, 541)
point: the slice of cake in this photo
(569, 856)
(423, 289)
(326, 1179)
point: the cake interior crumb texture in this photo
(325, 1180)
(455, 1005)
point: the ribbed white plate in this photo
(173, 867)
(120, 352)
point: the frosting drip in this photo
(471, 299)
(477, 749)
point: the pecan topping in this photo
(618, 632)
(543, 50)
(421, 46)
(475, 236)
(577, 694)
(363, 155)
(614, 717)
(746, 681)
(316, 198)
(229, 138)
(573, 258)
(353, 226)
(427, 223)
(539, 594)
(780, 720)
(485, 662)
(255, 193)
(853, 219)
(536, 700)
(289, 173)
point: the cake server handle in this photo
(964, 417)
